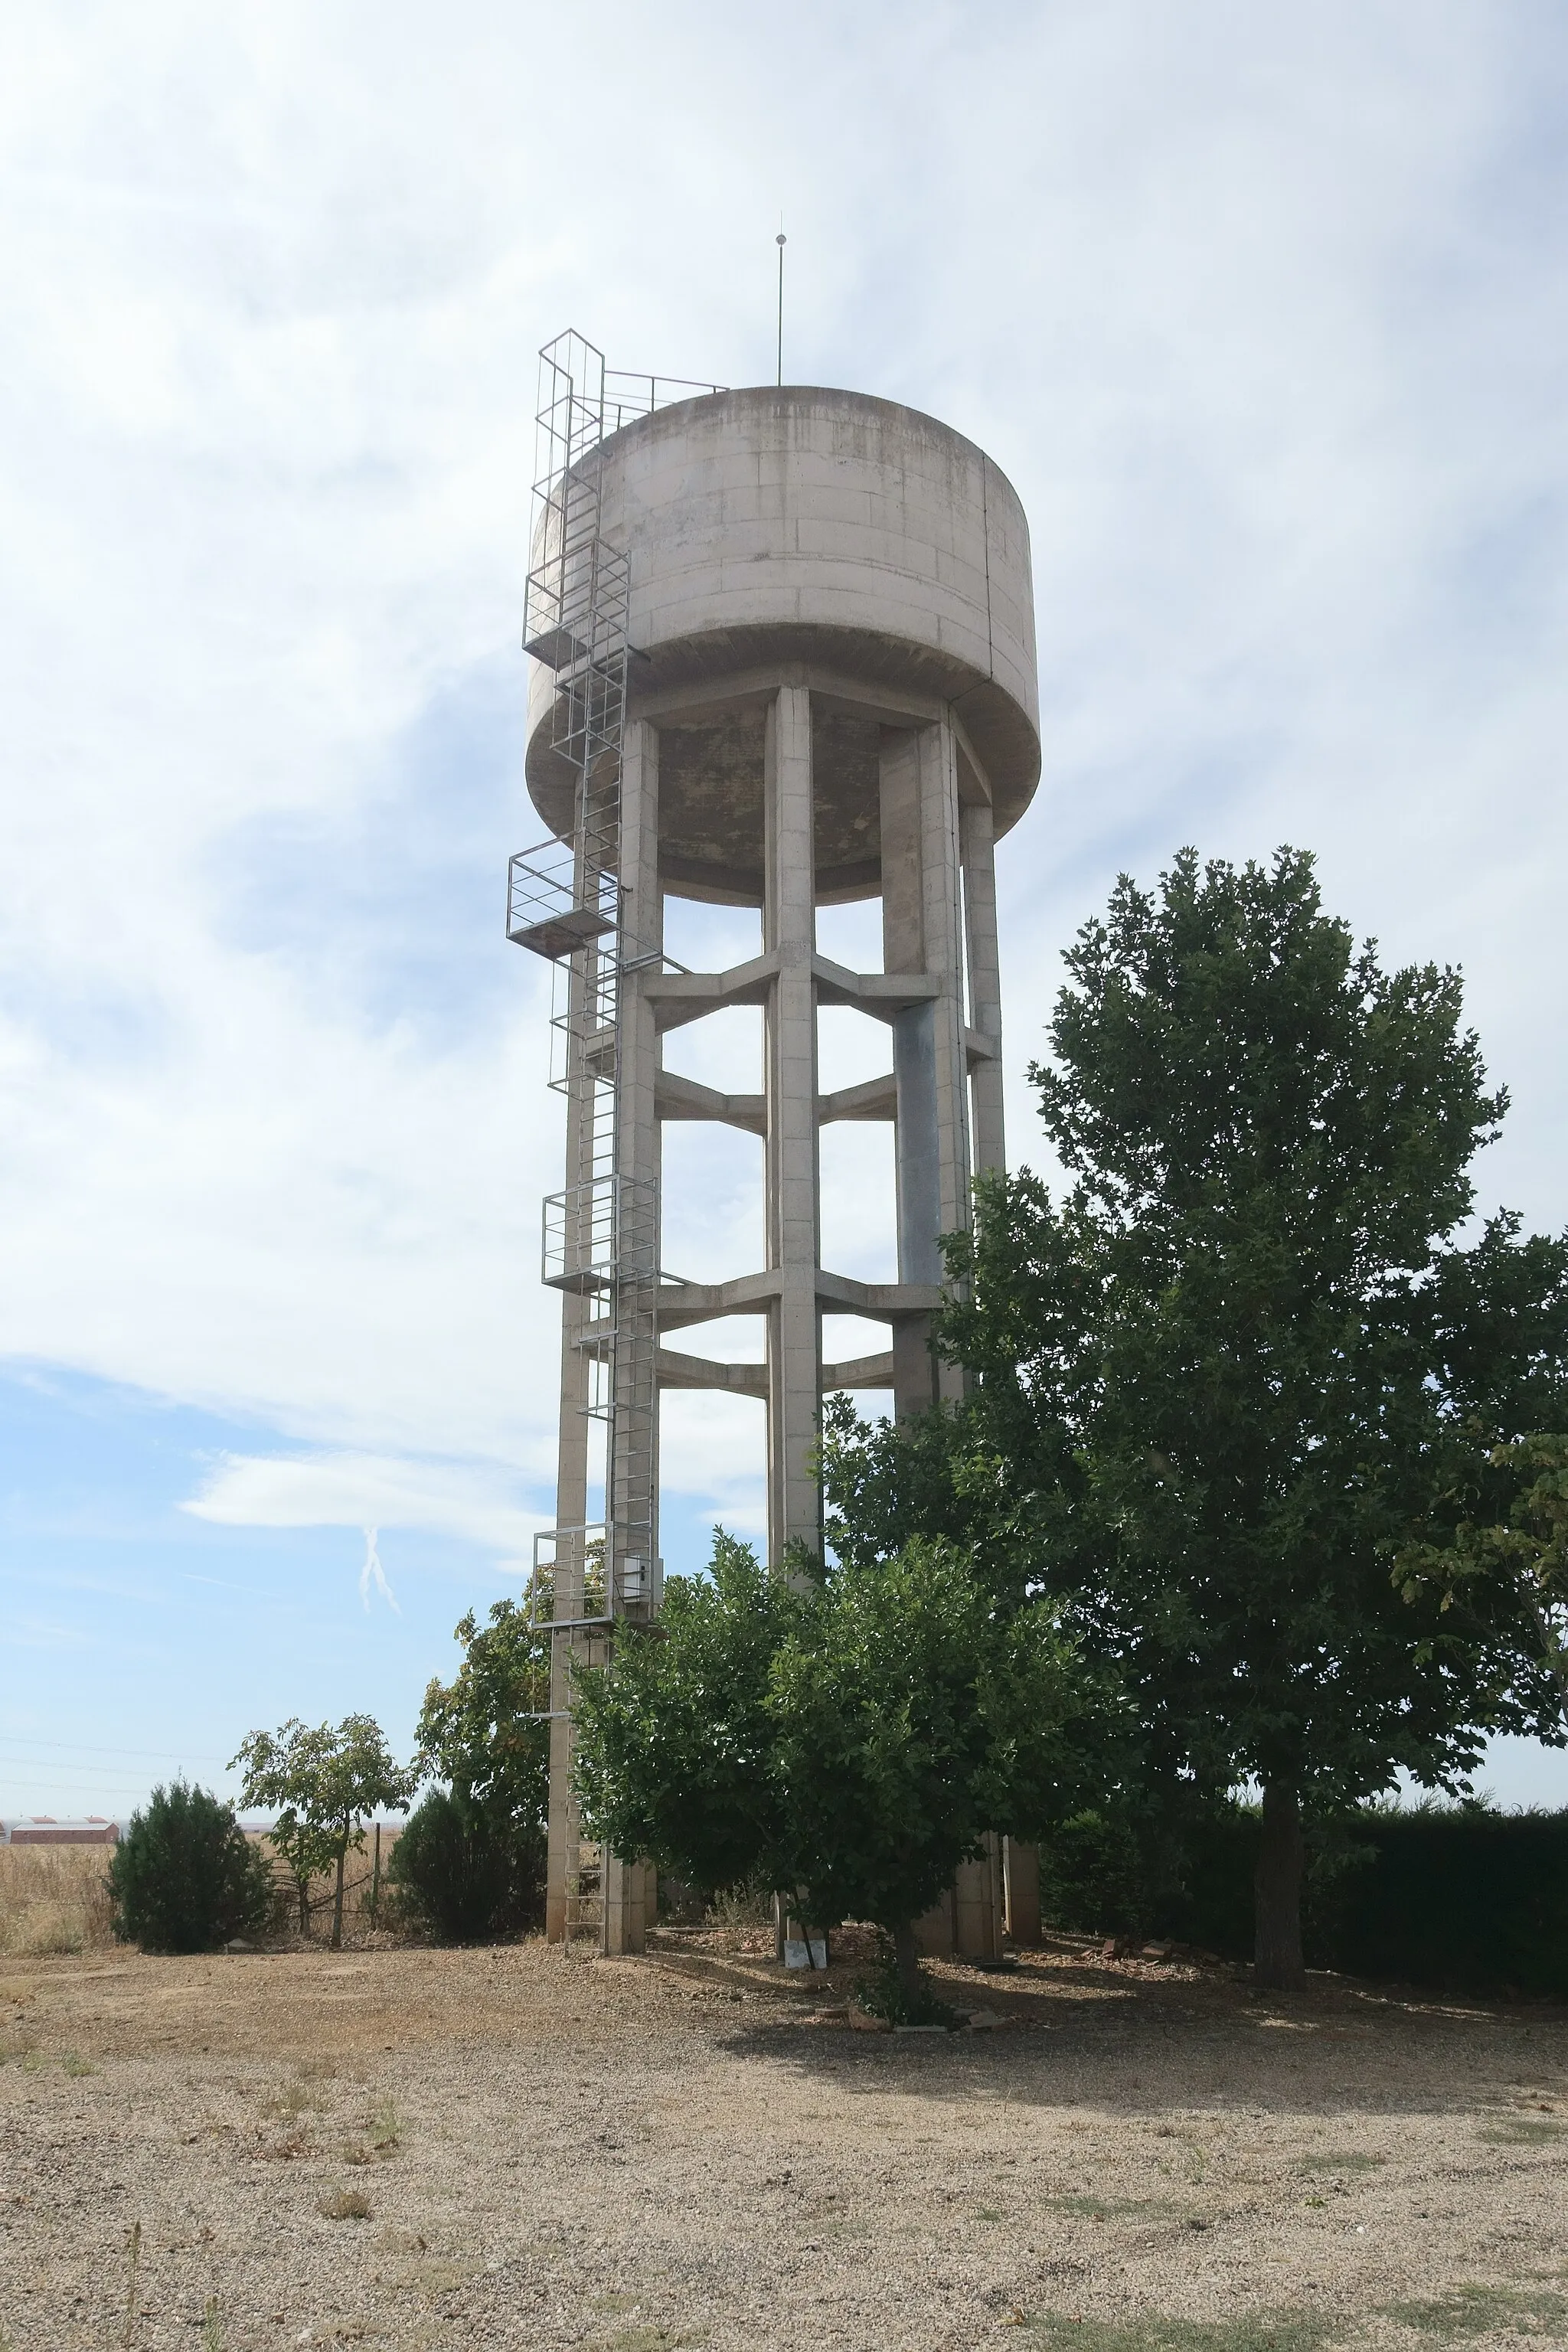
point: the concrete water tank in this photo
(862, 539)
(786, 658)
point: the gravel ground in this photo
(527, 2147)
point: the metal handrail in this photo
(661, 391)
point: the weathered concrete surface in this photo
(849, 536)
(832, 694)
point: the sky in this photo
(1262, 311)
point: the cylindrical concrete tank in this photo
(864, 541)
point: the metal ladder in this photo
(565, 902)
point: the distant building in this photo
(42, 1828)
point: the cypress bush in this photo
(466, 1872)
(185, 1877)
(1094, 1875)
(1463, 1898)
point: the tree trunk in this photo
(1277, 1893)
(909, 1961)
(338, 1900)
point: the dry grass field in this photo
(525, 2146)
(53, 1901)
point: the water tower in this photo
(784, 657)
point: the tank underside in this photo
(711, 750)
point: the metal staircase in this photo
(565, 902)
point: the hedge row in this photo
(1462, 1898)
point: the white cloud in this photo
(713, 1452)
(369, 1491)
(1262, 312)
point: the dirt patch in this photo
(690, 2149)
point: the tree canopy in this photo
(1521, 1547)
(850, 1743)
(485, 1733)
(326, 1783)
(471, 1860)
(1217, 1379)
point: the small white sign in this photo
(798, 1954)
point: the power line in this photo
(58, 1788)
(34, 1791)
(83, 1747)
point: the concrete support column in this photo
(562, 1861)
(631, 1470)
(921, 933)
(934, 1930)
(941, 884)
(627, 1895)
(1022, 1865)
(984, 982)
(977, 1903)
(631, 1902)
(795, 1328)
(641, 942)
(915, 1159)
(640, 945)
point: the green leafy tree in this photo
(461, 1872)
(473, 1859)
(325, 1784)
(675, 1740)
(306, 1852)
(483, 1732)
(1523, 1549)
(185, 1876)
(911, 1716)
(850, 1743)
(1215, 1382)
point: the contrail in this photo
(373, 1573)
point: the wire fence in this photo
(364, 1894)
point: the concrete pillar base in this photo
(631, 1902)
(977, 1905)
(1022, 1867)
(934, 1930)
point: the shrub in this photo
(1458, 1897)
(466, 1872)
(746, 1909)
(1093, 1873)
(185, 1876)
(345, 2205)
(849, 1742)
(886, 1991)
